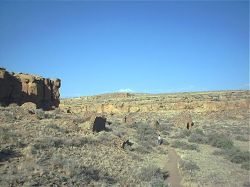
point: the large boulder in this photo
(94, 123)
(183, 120)
(21, 88)
(99, 124)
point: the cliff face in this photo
(20, 88)
(162, 103)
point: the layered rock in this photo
(202, 102)
(21, 88)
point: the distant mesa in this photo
(20, 88)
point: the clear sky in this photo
(143, 46)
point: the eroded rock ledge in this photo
(20, 88)
(200, 102)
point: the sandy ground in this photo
(174, 174)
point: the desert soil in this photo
(174, 178)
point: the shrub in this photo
(49, 142)
(184, 145)
(7, 136)
(78, 142)
(56, 127)
(199, 131)
(242, 138)
(189, 166)
(235, 155)
(9, 116)
(142, 149)
(246, 184)
(240, 157)
(245, 165)
(40, 114)
(220, 141)
(145, 132)
(152, 173)
(183, 134)
(198, 138)
(165, 128)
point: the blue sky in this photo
(144, 46)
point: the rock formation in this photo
(21, 88)
(99, 124)
(167, 104)
(184, 119)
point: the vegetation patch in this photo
(56, 127)
(242, 138)
(184, 145)
(188, 166)
(152, 174)
(183, 134)
(146, 135)
(198, 136)
(235, 155)
(220, 141)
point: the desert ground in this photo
(205, 141)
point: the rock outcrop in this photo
(20, 88)
(167, 104)
(99, 124)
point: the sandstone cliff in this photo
(20, 88)
(201, 102)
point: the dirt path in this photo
(174, 174)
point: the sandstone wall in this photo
(20, 88)
(162, 103)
